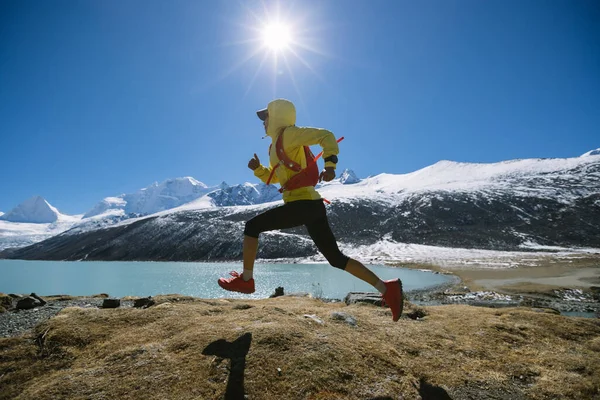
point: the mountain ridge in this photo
(496, 206)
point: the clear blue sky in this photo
(99, 98)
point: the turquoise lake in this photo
(119, 279)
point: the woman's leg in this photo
(391, 290)
(286, 216)
(361, 272)
(320, 232)
(249, 254)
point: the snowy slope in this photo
(530, 177)
(592, 153)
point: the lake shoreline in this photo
(564, 301)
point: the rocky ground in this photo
(14, 322)
(563, 301)
(300, 348)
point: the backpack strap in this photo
(283, 158)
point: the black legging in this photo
(310, 213)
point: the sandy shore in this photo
(543, 277)
(566, 284)
(523, 276)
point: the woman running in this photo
(303, 205)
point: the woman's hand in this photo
(254, 162)
(328, 174)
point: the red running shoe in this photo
(393, 297)
(237, 283)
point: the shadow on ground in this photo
(431, 392)
(235, 351)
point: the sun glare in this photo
(277, 36)
(281, 42)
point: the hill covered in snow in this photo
(511, 205)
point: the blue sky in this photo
(99, 98)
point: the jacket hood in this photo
(282, 114)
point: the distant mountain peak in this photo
(348, 177)
(35, 210)
(157, 197)
(592, 153)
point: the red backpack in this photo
(308, 176)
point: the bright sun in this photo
(277, 36)
(280, 43)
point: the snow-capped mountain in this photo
(348, 177)
(35, 210)
(157, 197)
(174, 193)
(244, 194)
(32, 221)
(508, 205)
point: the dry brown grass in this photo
(210, 349)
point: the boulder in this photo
(278, 292)
(144, 302)
(111, 303)
(27, 303)
(363, 297)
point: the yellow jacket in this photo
(282, 118)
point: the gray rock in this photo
(342, 316)
(111, 303)
(363, 297)
(314, 318)
(144, 302)
(38, 298)
(278, 292)
(27, 303)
